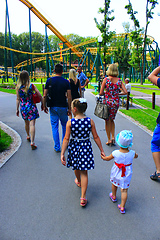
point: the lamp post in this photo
(99, 63)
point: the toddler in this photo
(121, 171)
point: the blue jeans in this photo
(56, 114)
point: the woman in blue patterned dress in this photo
(80, 154)
(28, 109)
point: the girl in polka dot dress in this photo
(80, 154)
(121, 171)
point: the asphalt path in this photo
(40, 201)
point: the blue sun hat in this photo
(124, 139)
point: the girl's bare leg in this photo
(124, 194)
(84, 183)
(78, 175)
(27, 127)
(32, 130)
(114, 191)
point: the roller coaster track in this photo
(50, 26)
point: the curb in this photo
(8, 153)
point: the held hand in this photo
(69, 112)
(63, 160)
(103, 156)
(45, 109)
(17, 113)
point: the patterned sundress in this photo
(112, 96)
(80, 154)
(28, 109)
(116, 172)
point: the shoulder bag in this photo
(35, 96)
(101, 110)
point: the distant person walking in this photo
(75, 84)
(28, 109)
(83, 79)
(155, 142)
(80, 154)
(121, 171)
(60, 103)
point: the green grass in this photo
(5, 140)
(147, 116)
(13, 91)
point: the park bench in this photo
(123, 98)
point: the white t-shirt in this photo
(128, 87)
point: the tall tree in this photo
(104, 27)
(135, 38)
(150, 5)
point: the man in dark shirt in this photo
(155, 143)
(60, 108)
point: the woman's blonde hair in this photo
(112, 70)
(24, 80)
(72, 74)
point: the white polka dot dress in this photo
(80, 154)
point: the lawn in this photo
(5, 140)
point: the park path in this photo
(39, 200)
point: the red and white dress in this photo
(121, 172)
(112, 96)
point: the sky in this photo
(73, 16)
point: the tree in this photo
(104, 28)
(150, 5)
(135, 38)
(121, 52)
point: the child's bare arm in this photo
(107, 158)
(96, 137)
(65, 142)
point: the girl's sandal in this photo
(77, 183)
(33, 146)
(122, 210)
(83, 202)
(28, 139)
(111, 197)
(113, 142)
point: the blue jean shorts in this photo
(155, 142)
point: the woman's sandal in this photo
(109, 144)
(155, 176)
(122, 210)
(33, 146)
(113, 142)
(83, 204)
(28, 139)
(111, 197)
(77, 183)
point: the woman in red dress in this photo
(112, 86)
